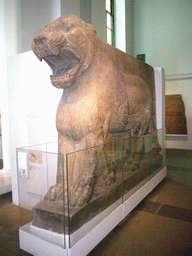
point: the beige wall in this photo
(99, 18)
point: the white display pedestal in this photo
(39, 247)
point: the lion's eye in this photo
(68, 27)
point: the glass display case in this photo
(37, 171)
(100, 186)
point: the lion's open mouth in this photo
(65, 65)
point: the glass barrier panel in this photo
(142, 158)
(135, 175)
(62, 198)
(51, 147)
(157, 162)
(94, 187)
(37, 172)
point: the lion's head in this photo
(68, 47)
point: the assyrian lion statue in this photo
(107, 94)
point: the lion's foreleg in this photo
(133, 151)
(81, 189)
(56, 192)
(113, 154)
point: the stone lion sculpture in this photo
(107, 94)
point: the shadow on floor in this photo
(179, 165)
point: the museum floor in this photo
(160, 225)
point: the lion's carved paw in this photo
(80, 196)
(55, 193)
(131, 167)
(110, 179)
(131, 164)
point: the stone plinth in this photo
(51, 215)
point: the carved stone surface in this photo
(175, 119)
(107, 95)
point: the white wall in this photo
(70, 7)
(32, 103)
(162, 30)
(34, 15)
(3, 68)
(5, 177)
(8, 47)
(10, 14)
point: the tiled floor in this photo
(179, 164)
(9, 224)
(160, 226)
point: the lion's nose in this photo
(40, 40)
